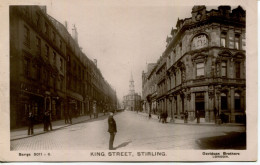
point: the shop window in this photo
(224, 102)
(200, 69)
(224, 69)
(223, 39)
(237, 102)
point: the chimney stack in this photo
(95, 62)
(66, 25)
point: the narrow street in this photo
(136, 132)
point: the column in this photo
(192, 104)
(207, 112)
(232, 105)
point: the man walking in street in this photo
(198, 116)
(111, 129)
(30, 123)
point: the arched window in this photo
(199, 41)
(224, 103)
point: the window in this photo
(38, 45)
(26, 36)
(237, 69)
(237, 101)
(200, 69)
(38, 72)
(244, 44)
(237, 41)
(60, 44)
(46, 29)
(47, 51)
(54, 58)
(27, 67)
(223, 39)
(224, 69)
(53, 37)
(224, 103)
(61, 65)
(38, 19)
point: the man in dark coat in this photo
(198, 116)
(30, 123)
(111, 129)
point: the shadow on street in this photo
(123, 144)
(232, 140)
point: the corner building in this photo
(205, 67)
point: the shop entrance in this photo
(200, 103)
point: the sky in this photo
(123, 37)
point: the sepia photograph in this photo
(130, 82)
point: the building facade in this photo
(132, 101)
(49, 71)
(203, 66)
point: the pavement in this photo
(22, 132)
(190, 122)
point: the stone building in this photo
(49, 71)
(149, 89)
(132, 101)
(206, 65)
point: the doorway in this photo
(200, 103)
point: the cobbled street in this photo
(136, 132)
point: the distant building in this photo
(149, 89)
(132, 101)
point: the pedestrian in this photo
(30, 123)
(90, 114)
(186, 115)
(215, 114)
(66, 117)
(198, 116)
(161, 117)
(150, 115)
(70, 117)
(111, 129)
(165, 117)
(222, 117)
(49, 121)
(45, 121)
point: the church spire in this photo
(131, 85)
